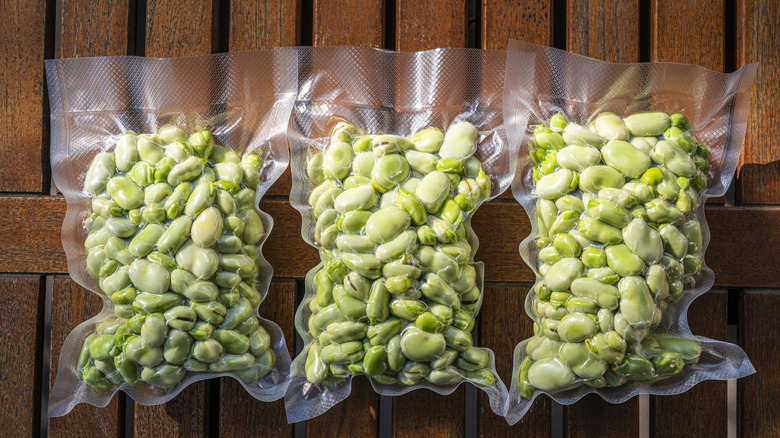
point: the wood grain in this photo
(759, 412)
(702, 42)
(758, 179)
(606, 30)
(529, 21)
(177, 28)
(21, 325)
(671, 415)
(97, 28)
(186, 415)
(24, 43)
(414, 20)
(502, 325)
(71, 305)
(413, 415)
(349, 23)
(285, 249)
(239, 412)
(30, 234)
(740, 245)
(592, 416)
(356, 416)
(259, 25)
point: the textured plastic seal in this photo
(401, 94)
(195, 113)
(542, 82)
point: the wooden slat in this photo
(356, 416)
(24, 43)
(288, 253)
(259, 25)
(30, 241)
(759, 414)
(97, 28)
(349, 23)
(414, 19)
(177, 28)
(592, 416)
(240, 413)
(413, 415)
(502, 324)
(704, 46)
(759, 175)
(671, 415)
(71, 305)
(604, 29)
(21, 334)
(529, 21)
(186, 415)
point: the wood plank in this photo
(704, 46)
(186, 415)
(355, 416)
(413, 416)
(21, 325)
(413, 24)
(71, 305)
(285, 249)
(30, 241)
(758, 179)
(259, 25)
(529, 21)
(592, 416)
(25, 42)
(604, 29)
(240, 413)
(176, 28)
(349, 23)
(759, 414)
(97, 28)
(671, 415)
(502, 324)
(30, 238)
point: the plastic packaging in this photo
(625, 227)
(162, 163)
(387, 197)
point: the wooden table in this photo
(721, 35)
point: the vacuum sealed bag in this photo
(162, 163)
(391, 155)
(615, 166)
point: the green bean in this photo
(172, 230)
(397, 291)
(616, 252)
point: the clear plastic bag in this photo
(542, 82)
(346, 93)
(156, 115)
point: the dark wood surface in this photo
(758, 394)
(721, 35)
(21, 335)
(595, 34)
(759, 177)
